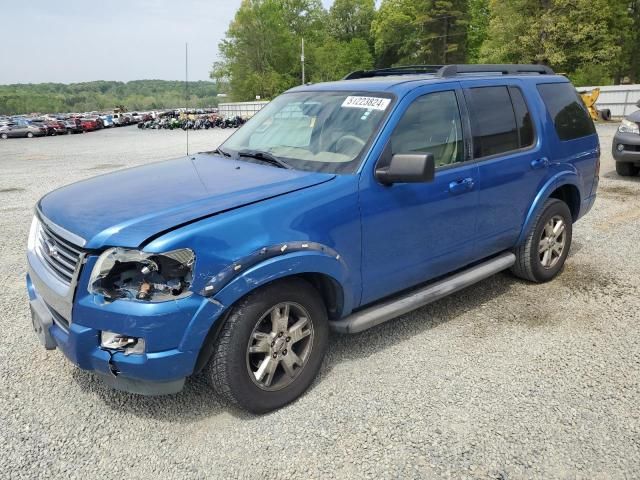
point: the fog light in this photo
(122, 343)
(620, 147)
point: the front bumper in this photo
(173, 333)
(630, 148)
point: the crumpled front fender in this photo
(265, 266)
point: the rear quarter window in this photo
(570, 117)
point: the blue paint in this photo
(372, 240)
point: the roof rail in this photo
(502, 69)
(401, 70)
(452, 70)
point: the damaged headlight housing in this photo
(123, 274)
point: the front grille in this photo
(632, 148)
(61, 256)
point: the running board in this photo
(389, 309)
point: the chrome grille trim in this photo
(58, 319)
(65, 264)
(61, 232)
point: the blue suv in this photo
(339, 206)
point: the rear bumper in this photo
(630, 152)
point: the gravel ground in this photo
(505, 380)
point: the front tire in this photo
(625, 169)
(4, 136)
(541, 257)
(29, 135)
(271, 346)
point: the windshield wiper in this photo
(264, 157)
(222, 152)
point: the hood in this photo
(126, 207)
(634, 117)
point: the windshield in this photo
(315, 131)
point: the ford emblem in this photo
(50, 249)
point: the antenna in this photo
(302, 60)
(186, 90)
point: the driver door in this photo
(414, 232)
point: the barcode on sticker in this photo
(373, 103)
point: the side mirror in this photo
(408, 168)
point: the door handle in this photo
(461, 186)
(540, 163)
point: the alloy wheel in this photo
(279, 346)
(552, 242)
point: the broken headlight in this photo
(122, 274)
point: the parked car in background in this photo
(107, 120)
(73, 125)
(626, 145)
(58, 126)
(22, 129)
(89, 124)
(37, 122)
(121, 119)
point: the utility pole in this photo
(186, 88)
(302, 61)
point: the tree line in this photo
(594, 42)
(103, 96)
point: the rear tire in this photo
(29, 135)
(625, 169)
(541, 257)
(271, 346)
(4, 136)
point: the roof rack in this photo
(502, 69)
(453, 70)
(401, 70)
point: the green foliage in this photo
(592, 41)
(261, 52)
(585, 38)
(591, 75)
(479, 14)
(627, 21)
(351, 19)
(335, 59)
(102, 95)
(425, 32)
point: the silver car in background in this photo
(21, 129)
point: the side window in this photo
(569, 114)
(493, 121)
(523, 118)
(431, 124)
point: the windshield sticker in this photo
(372, 103)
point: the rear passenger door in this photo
(512, 161)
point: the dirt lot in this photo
(503, 380)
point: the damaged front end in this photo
(133, 275)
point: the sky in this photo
(71, 41)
